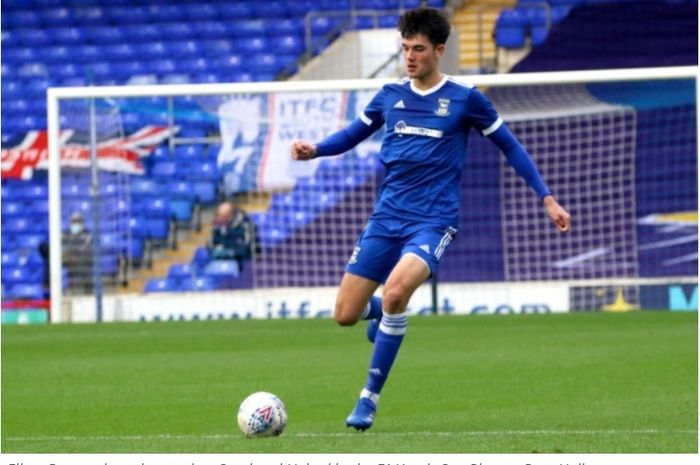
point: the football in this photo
(262, 414)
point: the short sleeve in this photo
(481, 114)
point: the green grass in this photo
(575, 383)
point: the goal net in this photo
(620, 155)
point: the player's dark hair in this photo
(428, 21)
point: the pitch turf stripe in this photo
(180, 437)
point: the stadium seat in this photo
(388, 21)
(29, 291)
(212, 30)
(270, 9)
(55, 17)
(201, 12)
(104, 35)
(167, 13)
(141, 33)
(198, 284)
(21, 275)
(164, 170)
(128, 15)
(33, 37)
(364, 22)
(67, 35)
(237, 10)
(285, 27)
(150, 50)
(179, 31)
(251, 45)
(510, 29)
(160, 285)
(22, 19)
(223, 272)
(200, 258)
(181, 271)
(205, 192)
(90, 16)
(288, 44)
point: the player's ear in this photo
(439, 50)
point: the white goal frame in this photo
(57, 94)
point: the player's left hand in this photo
(558, 215)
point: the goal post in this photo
(514, 208)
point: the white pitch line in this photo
(180, 437)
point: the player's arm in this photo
(336, 143)
(519, 159)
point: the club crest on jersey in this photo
(443, 107)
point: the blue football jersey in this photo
(424, 146)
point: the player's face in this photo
(420, 56)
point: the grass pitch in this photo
(574, 383)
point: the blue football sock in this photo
(373, 310)
(386, 347)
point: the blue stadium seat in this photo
(28, 242)
(198, 284)
(270, 9)
(537, 22)
(158, 228)
(38, 208)
(510, 29)
(184, 48)
(128, 15)
(205, 192)
(11, 89)
(364, 22)
(285, 27)
(12, 209)
(36, 88)
(64, 70)
(289, 44)
(104, 35)
(67, 35)
(228, 63)
(138, 228)
(181, 271)
(87, 53)
(167, 13)
(21, 19)
(90, 16)
(212, 30)
(75, 190)
(32, 70)
(223, 272)
(249, 28)
(162, 67)
(178, 31)
(48, 3)
(10, 259)
(160, 285)
(299, 8)
(164, 170)
(157, 207)
(142, 187)
(141, 33)
(216, 47)
(203, 171)
(200, 258)
(251, 45)
(29, 291)
(238, 10)
(55, 17)
(33, 192)
(150, 50)
(33, 37)
(388, 21)
(119, 52)
(19, 55)
(201, 12)
(15, 107)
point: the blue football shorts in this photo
(384, 241)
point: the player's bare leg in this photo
(353, 297)
(404, 279)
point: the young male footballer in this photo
(428, 117)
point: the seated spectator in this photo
(232, 234)
(77, 254)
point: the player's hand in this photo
(558, 215)
(302, 150)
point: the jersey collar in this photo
(429, 91)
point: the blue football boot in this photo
(362, 415)
(372, 327)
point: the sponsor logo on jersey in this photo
(443, 107)
(402, 128)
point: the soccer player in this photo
(428, 117)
